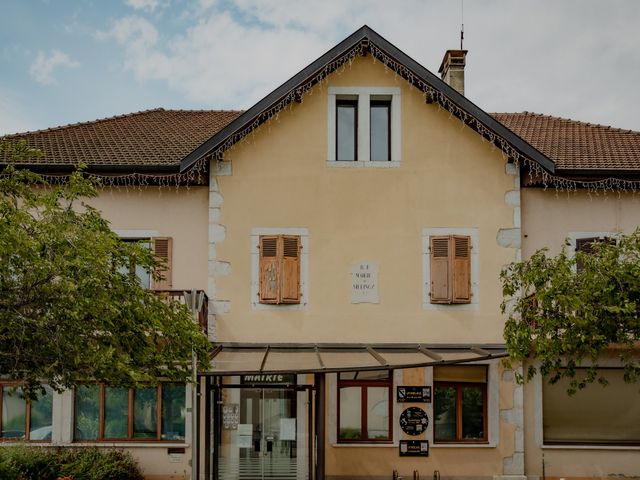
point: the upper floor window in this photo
(279, 268)
(364, 126)
(450, 267)
(163, 249)
(22, 419)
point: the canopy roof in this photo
(274, 358)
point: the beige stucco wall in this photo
(448, 177)
(548, 218)
(180, 213)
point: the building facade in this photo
(349, 230)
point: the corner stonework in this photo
(510, 237)
(217, 234)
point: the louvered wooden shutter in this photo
(440, 288)
(461, 247)
(290, 277)
(163, 250)
(269, 269)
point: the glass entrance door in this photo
(269, 439)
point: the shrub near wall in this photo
(32, 463)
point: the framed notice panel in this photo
(414, 448)
(413, 394)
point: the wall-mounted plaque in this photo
(406, 394)
(414, 448)
(414, 421)
(364, 283)
(264, 379)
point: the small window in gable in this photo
(585, 245)
(364, 126)
(450, 261)
(279, 269)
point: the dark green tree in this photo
(570, 311)
(71, 311)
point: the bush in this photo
(33, 463)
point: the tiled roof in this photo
(152, 138)
(162, 138)
(574, 145)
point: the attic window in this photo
(364, 127)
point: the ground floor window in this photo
(596, 415)
(460, 403)
(364, 406)
(22, 419)
(143, 414)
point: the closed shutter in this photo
(461, 247)
(440, 288)
(163, 250)
(290, 278)
(269, 269)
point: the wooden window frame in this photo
(459, 387)
(364, 385)
(27, 418)
(283, 265)
(585, 245)
(130, 418)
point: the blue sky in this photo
(66, 61)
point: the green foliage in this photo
(70, 311)
(34, 463)
(567, 317)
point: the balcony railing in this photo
(203, 313)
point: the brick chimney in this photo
(452, 69)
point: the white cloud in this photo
(42, 68)
(149, 5)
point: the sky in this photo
(68, 61)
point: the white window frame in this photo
(472, 233)
(256, 233)
(364, 96)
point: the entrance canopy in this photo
(272, 358)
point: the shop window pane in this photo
(347, 112)
(380, 130)
(377, 412)
(173, 408)
(14, 409)
(350, 413)
(472, 413)
(40, 425)
(87, 409)
(595, 415)
(145, 423)
(445, 414)
(116, 412)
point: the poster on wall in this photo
(407, 394)
(287, 429)
(230, 416)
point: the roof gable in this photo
(365, 41)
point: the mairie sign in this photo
(269, 379)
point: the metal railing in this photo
(203, 313)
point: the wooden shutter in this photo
(290, 275)
(163, 250)
(461, 248)
(440, 285)
(269, 269)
